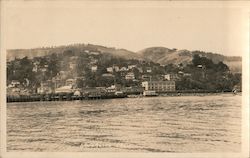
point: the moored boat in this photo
(149, 93)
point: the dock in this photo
(61, 97)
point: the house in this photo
(94, 68)
(130, 76)
(107, 75)
(44, 88)
(123, 69)
(94, 53)
(180, 72)
(140, 69)
(44, 69)
(35, 67)
(63, 74)
(14, 83)
(167, 77)
(149, 70)
(73, 58)
(146, 77)
(159, 86)
(131, 67)
(116, 68)
(71, 82)
(199, 66)
(93, 61)
(72, 65)
(57, 81)
(187, 74)
(111, 89)
(110, 69)
(172, 76)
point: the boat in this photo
(149, 93)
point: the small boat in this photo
(150, 93)
(235, 91)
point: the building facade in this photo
(130, 76)
(159, 86)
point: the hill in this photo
(76, 48)
(159, 55)
(166, 56)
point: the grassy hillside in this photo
(165, 56)
(159, 55)
(76, 48)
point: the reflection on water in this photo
(158, 124)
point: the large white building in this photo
(159, 86)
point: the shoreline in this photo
(43, 98)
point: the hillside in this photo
(159, 55)
(76, 48)
(165, 56)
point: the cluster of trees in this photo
(207, 75)
(204, 73)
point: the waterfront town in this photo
(90, 74)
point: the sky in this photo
(130, 25)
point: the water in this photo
(158, 124)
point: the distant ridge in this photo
(165, 56)
(37, 52)
(161, 55)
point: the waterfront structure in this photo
(64, 89)
(159, 86)
(44, 88)
(110, 89)
(70, 82)
(149, 93)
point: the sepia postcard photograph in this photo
(124, 79)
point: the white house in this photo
(116, 68)
(149, 70)
(130, 76)
(110, 69)
(123, 69)
(131, 66)
(94, 68)
(167, 77)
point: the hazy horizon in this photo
(125, 25)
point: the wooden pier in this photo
(60, 97)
